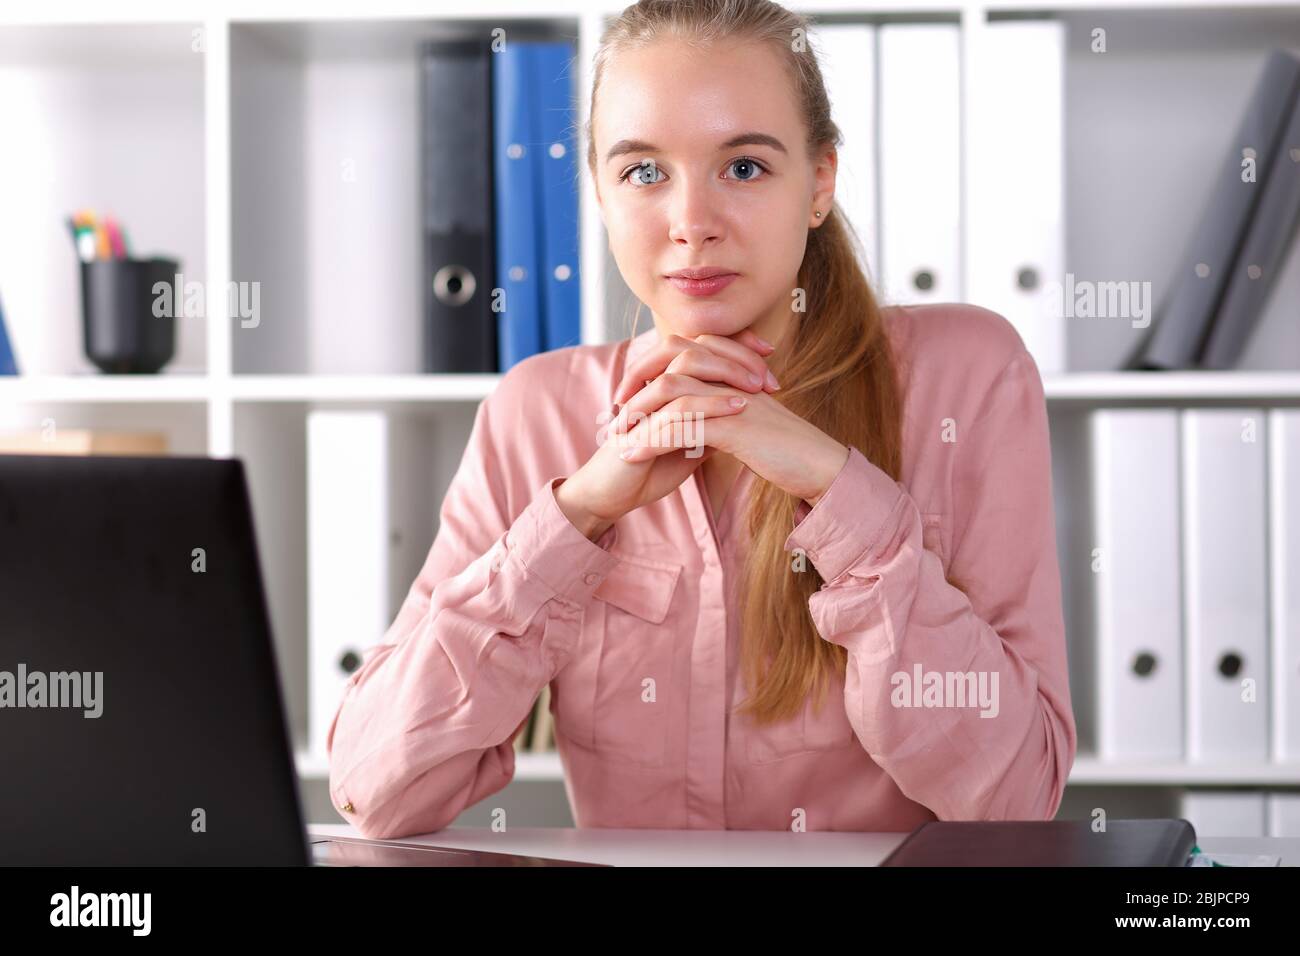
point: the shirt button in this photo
(591, 578)
(347, 807)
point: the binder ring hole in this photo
(453, 285)
(1144, 664)
(923, 280)
(349, 661)
(1230, 664)
(1027, 278)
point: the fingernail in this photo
(771, 380)
(626, 453)
(765, 343)
(755, 380)
(737, 402)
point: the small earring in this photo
(817, 214)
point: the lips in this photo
(705, 272)
(704, 281)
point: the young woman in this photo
(833, 606)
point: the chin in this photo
(713, 319)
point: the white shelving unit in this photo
(1061, 390)
(218, 132)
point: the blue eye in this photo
(639, 168)
(752, 164)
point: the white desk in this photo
(724, 847)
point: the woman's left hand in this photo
(772, 441)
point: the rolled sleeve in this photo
(556, 553)
(850, 519)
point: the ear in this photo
(823, 186)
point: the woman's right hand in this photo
(606, 487)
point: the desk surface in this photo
(724, 847)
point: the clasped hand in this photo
(682, 394)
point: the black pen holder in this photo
(129, 327)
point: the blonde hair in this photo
(837, 371)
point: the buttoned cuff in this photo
(849, 521)
(555, 552)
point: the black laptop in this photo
(141, 716)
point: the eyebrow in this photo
(624, 146)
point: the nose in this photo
(694, 217)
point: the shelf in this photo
(543, 766)
(309, 766)
(1127, 6)
(309, 388)
(104, 388)
(1105, 387)
(246, 388)
(1080, 387)
(160, 11)
(398, 11)
(1090, 770)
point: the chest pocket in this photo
(616, 696)
(642, 587)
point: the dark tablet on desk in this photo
(1046, 843)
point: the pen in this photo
(84, 223)
(114, 237)
(96, 239)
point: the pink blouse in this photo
(955, 705)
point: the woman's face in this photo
(683, 185)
